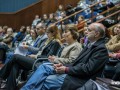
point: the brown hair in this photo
(81, 16)
(113, 33)
(54, 30)
(74, 31)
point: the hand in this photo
(24, 43)
(112, 55)
(59, 68)
(2, 43)
(51, 58)
(25, 46)
(82, 40)
(32, 56)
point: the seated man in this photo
(89, 64)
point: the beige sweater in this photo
(114, 44)
(69, 53)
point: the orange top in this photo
(81, 25)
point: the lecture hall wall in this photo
(26, 15)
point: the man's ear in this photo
(97, 34)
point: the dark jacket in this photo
(39, 43)
(50, 49)
(89, 64)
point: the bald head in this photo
(41, 25)
(40, 28)
(98, 27)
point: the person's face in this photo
(28, 29)
(49, 34)
(60, 7)
(91, 33)
(115, 31)
(80, 19)
(63, 14)
(45, 17)
(68, 37)
(118, 29)
(51, 16)
(9, 31)
(33, 34)
(39, 30)
(1, 30)
(36, 17)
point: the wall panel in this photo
(26, 16)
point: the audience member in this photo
(81, 22)
(45, 19)
(114, 43)
(51, 19)
(40, 40)
(69, 11)
(27, 36)
(60, 10)
(5, 44)
(36, 21)
(5, 29)
(19, 37)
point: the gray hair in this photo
(41, 25)
(101, 29)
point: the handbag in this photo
(110, 68)
(108, 83)
(92, 85)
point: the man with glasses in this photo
(40, 41)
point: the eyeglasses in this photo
(88, 29)
(39, 28)
(47, 32)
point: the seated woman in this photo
(27, 36)
(5, 43)
(11, 69)
(114, 43)
(33, 36)
(68, 55)
(114, 31)
(81, 22)
(23, 51)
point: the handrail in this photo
(76, 13)
(103, 18)
(102, 13)
(108, 16)
(113, 26)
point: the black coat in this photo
(89, 64)
(50, 49)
